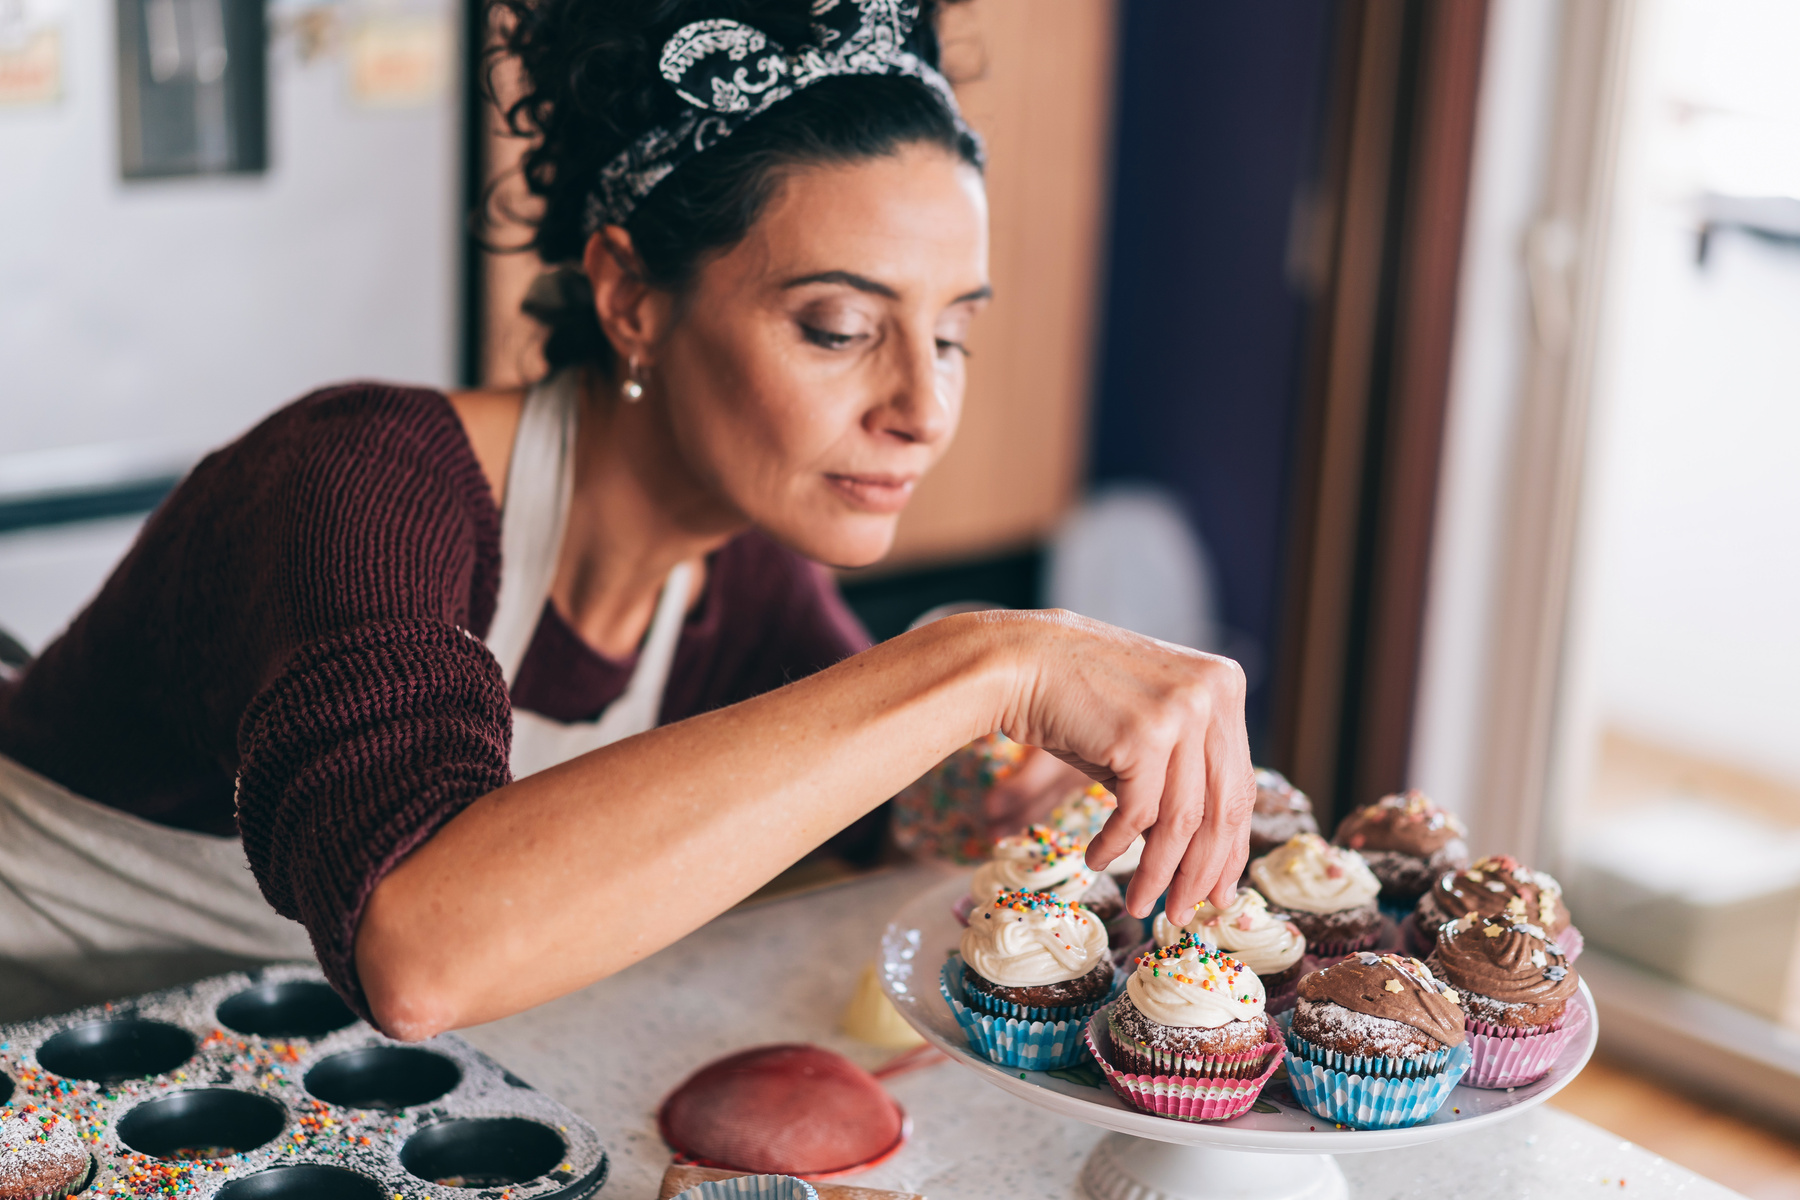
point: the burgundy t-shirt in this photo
(302, 616)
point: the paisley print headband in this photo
(730, 73)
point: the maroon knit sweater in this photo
(297, 617)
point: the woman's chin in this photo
(845, 543)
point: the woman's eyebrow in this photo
(863, 283)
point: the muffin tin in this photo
(264, 1086)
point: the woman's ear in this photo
(631, 312)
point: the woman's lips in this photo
(875, 493)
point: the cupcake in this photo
(1190, 1010)
(1026, 954)
(1497, 885)
(1084, 813)
(1327, 891)
(1046, 859)
(1268, 944)
(1376, 1042)
(1518, 994)
(1408, 842)
(1282, 810)
(41, 1157)
(1029, 971)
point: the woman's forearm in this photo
(569, 875)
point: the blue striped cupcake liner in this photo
(1358, 1064)
(752, 1187)
(1034, 1045)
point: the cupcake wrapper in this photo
(1414, 940)
(1372, 1101)
(1571, 942)
(1372, 1065)
(1035, 1045)
(1283, 997)
(1338, 947)
(1514, 1057)
(752, 1187)
(1182, 1098)
(1142, 1060)
(1396, 910)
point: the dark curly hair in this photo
(590, 87)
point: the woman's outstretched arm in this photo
(567, 876)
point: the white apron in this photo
(97, 903)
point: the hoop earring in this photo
(632, 390)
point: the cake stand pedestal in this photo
(1280, 1153)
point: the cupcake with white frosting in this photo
(1047, 860)
(1085, 813)
(1029, 955)
(1270, 944)
(1189, 1010)
(1327, 891)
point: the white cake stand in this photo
(1283, 1154)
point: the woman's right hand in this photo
(1159, 725)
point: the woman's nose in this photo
(921, 403)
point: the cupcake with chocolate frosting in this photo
(1048, 860)
(41, 1156)
(1519, 993)
(1327, 891)
(1282, 810)
(1189, 1010)
(1408, 842)
(1268, 943)
(1376, 1042)
(1499, 885)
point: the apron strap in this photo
(539, 482)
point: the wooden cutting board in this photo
(679, 1179)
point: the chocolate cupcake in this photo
(41, 1157)
(1191, 1011)
(1327, 891)
(1030, 956)
(1269, 944)
(1497, 885)
(1049, 860)
(1518, 991)
(1282, 810)
(1408, 842)
(1377, 1014)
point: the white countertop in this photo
(783, 971)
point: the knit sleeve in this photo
(362, 748)
(379, 715)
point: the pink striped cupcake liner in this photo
(1143, 1060)
(1338, 947)
(962, 908)
(1505, 1058)
(1181, 1097)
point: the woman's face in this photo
(816, 369)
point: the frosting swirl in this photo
(1392, 988)
(1028, 939)
(1513, 963)
(1501, 884)
(1245, 927)
(1042, 859)
(1406, 822)
(1084, 814)
(1306, 874)
(1191, 986)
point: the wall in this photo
(178, 311)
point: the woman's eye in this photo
(946, 346)
(827, 338)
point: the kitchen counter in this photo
(782, 971)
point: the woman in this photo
(413, 647)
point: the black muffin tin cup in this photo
(265, 1086)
